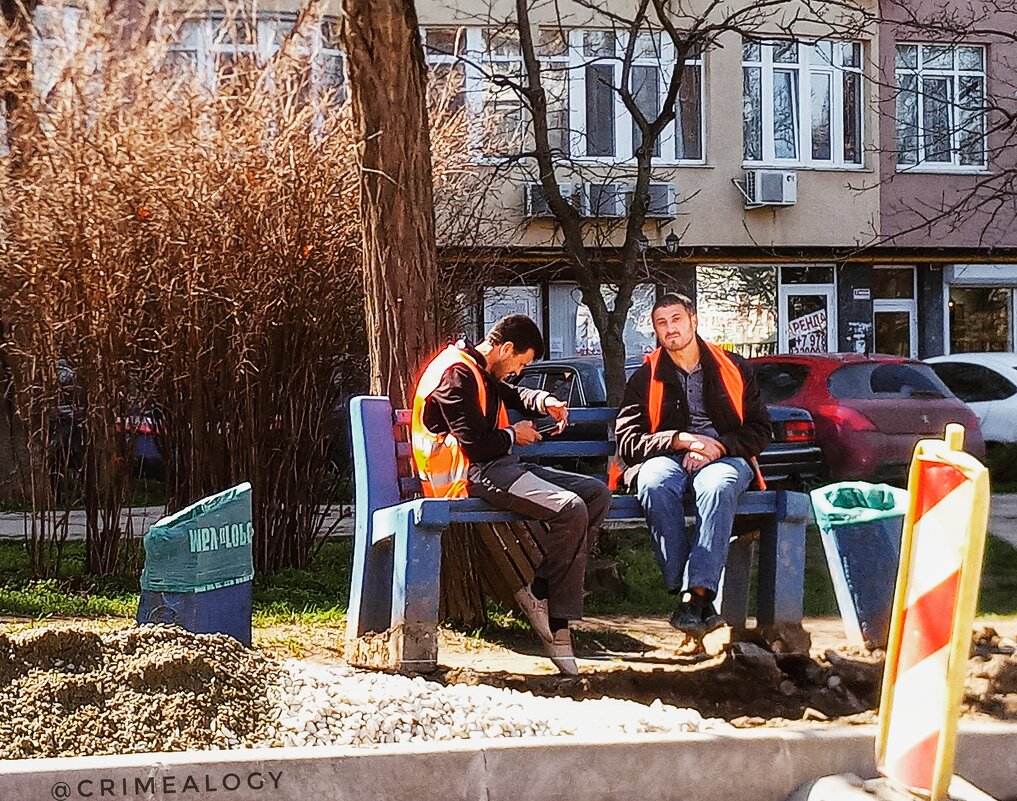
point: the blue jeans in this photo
(661, 486)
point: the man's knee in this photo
(572, 509)
(657, 482)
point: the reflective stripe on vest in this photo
(734, 384)
(438, 458)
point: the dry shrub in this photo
(192, 255)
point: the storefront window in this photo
(500, 301)
(737, 307)
(980, 319)
(893, 282)
(807, 275)
(573, 332)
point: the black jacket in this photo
(454, 407)
(636, 444)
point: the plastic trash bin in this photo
(860, 525)
(199, 567)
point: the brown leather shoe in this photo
(560, 652)
(536, 612)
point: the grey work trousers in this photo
(570, 509)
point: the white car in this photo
(987, 382)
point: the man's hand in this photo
(559, 410)
(695, 460)
(704, 446)
(526, 432)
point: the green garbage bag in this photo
(860, 525)
(203, 547)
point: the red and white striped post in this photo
(934, 607)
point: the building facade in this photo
(882, 133)
(839, 186)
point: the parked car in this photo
(791, 460)
(869, 411)
(987, 382)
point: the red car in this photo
(869, 411)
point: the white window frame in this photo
(623, 151)
(954, 74)
(809, 63)
(909, 305)
(476, 62)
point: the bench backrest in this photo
(381, 448)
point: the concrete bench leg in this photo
(734, 594)
(370, 606)
(416, 586)
(782, 561)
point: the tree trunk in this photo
(613, 349)
(388, 80)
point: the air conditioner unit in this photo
(603, 200)
(535, 201)
(663, 202)
(770, 188)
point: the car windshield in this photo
(779, 381)
(887, 380)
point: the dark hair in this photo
(674, 299)
(521, 331)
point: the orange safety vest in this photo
(733, 382)
(439, 459)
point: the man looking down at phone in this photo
(463, 445)
(691, 422)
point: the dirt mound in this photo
(69, 692)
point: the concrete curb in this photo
(752, 765)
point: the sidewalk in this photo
(13, 525)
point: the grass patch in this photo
(317, 595)
(320, 594)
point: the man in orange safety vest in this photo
(463, 445)
(691, 423)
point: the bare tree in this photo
(388, 80)
(193, 256)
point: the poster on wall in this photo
(808, 333)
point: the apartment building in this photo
(818, 223)
(799, 193)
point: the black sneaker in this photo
(696, 615)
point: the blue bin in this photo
(199, 567)
(226, 610)
(861, 525)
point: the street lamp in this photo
(642, 243)
(671, 243)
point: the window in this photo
(980, 319)
(940, 105)
(893, 380)
(500, 301)
(444, 48)
(974, 383)
(605, 129)
(780, 381)
(55, 40)
(894, 311)
(327, 67)
(580, 73)
(475, 69)
(802, 103)
(737, 307)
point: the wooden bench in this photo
(393, 611)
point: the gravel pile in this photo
(66, 692)
(319, 705)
